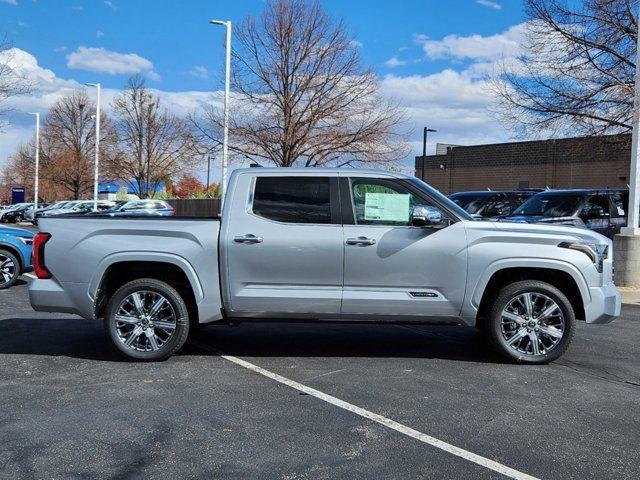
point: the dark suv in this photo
(488, 203)
(602, 210)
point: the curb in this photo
(630, 296)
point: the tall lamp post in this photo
(36, 181)
(97, 160)
(227, 86)
(424, 148)
(627, 244)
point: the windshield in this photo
(556, 205)
(470, 202)
(54, 206)
(441, 198)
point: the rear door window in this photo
(293, 199)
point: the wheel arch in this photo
(562, 279)
(15, 252)
(117, 271)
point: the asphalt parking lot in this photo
(72, 408)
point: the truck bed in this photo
(82, 249)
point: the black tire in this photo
(16, 272)
(493, 322)
(180, 310)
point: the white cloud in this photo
(199, 72)
(490, 4)
(49, 88)
(10, 2)
(395, 62)
(457, 104)
(110, 5)
(476, 47)
(104, 61)
(60, 49)
(99, 34)
(22, 24)
(356, 43)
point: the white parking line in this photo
(387, 422)
(30, 275)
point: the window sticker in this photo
(387, 207)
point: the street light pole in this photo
(633, 210)
(227, 87)
(97, 160)
(208, 170)
(36, 181)
(424, 148)
(626, 245)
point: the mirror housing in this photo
(427, 216)
(595, 213)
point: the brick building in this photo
(582, 162)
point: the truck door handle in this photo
(248, 238)
(361, 241)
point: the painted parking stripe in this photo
(387, 422)
(30, 275)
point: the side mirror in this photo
(425, 216)
(595, 213)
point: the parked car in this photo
(491, 204)
(76, 207)
(141, 208)
(15, 254)
(30, 214)
(601, 210)
(42, 207)
(325, 245)
(16, 214)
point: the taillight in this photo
(38, 255)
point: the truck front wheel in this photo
(530, 322)
(147, 319)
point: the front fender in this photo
(478, 287)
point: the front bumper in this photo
(606, 303)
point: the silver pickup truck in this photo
(326, 245)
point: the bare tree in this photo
(68, 143)
(154, 144)
(19, 171)
(577, 72)
(12, 83)
(302, 96)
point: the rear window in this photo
(293, 199)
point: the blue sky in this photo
(431, 55)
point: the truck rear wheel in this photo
(530, 322)
(147, 319)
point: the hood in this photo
(18, 232)
(575, 221)
(57, 211)
(557, 230)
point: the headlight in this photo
(26, 240)
(597, 252)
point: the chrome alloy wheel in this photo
(7, 269)
(145, 321)
(532, 324)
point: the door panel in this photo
(407, 272)
(286, 269)
(398, 270)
